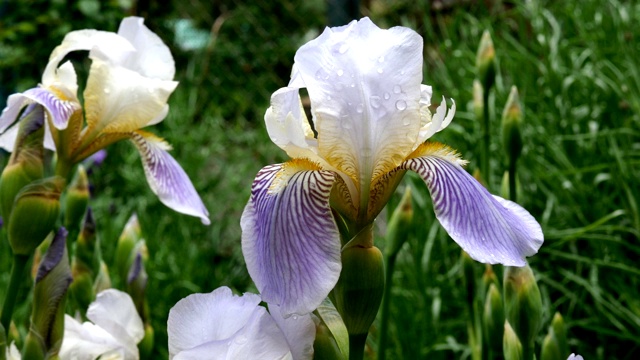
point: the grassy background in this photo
(575, 65)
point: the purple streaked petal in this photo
(490, 229)
(59, 110)
(290, 240)
(166, 178)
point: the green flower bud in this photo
(125, 254)
(145, 346)
(560, 332)
(39, 200)
(485, 61)
(478, 102)
(136, 286)
(550, 348)
(399, 224)
(76, 199)
(47, 317)
(493, 318)
(511, 123)
(504, 187)
(511, 346)
(523, 305)
(88, 247)
(103, 280)
(25, 163)
(359, 290)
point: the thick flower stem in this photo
(386, 301)
(486, 172)
(17, 270)
(356, 346)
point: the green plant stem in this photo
(356, 346)
(386, 300)
(486, 173)
(512, 180)
(17, 270)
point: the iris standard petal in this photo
(166, 178)
(152, 57)
(300, 332)
(59, 110)
(88, 341)
(290, 240)
(121, 100)
(364, 85)
(490, 229)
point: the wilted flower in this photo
(113, 333)
(129, 82)
(370, 122)
(220, 325)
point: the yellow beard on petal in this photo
(432, 148)
(288, 170)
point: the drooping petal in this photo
(220, 325)
(166, 178)
(152, 57)
(115, 312)
(59, 110)
(432, 124)
(121, 100)
(490, 229)
(89, 341)
(364, 85)
(300, 332)
(290, 240)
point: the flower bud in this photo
(511, 123)
(504, 187)
(125, 254)
(478, 102)
(560, 333)
(145, 346)
(511, 346)
(359, 290)
(76, 199)
(137, 285)
(523, 305)
(38, 200)
(399, 224)
(25, 163)
(485, 61)
(550, 348)
(88, 247)
(493, 318)
(103, 280)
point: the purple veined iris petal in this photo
(290, 240)
(167, 179)
(60, 110)
(490, 229)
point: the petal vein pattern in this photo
(290, 240)
(490, 229)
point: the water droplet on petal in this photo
(375, 101)
(397, 89)
(295, 317)
(353, 85)
(321, 74)
(387, 96)
(360, 108)
(381, 59)
(340, 72)
(380, 71)
(401, 105)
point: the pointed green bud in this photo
(103, 280)
(137, 285)
(399, 225)
(359, 290)
(511, 124)
(560, 332)
(523, 305)
(485, 61)
(81, 289)
(145, 346)
(49, 295)
(489, 277)
(25, 163)
(550, 348)
(478, 102)
(511, 346)
(38, 200)
(76, 199)
(88, 247)
(125, 254)
(493, 318)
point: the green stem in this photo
(486, 172)
(512, 180)
(386, 301)
(356, 346)
(17, 270)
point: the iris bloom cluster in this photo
(370, 124)
(129, 83)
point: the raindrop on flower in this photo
(353, 85)
(295, 317)
(360, 108)
(387, 96)
(401, 105)
(397, 89)
(380, 71)
(340, 72)
(321, 74)
(375, 101)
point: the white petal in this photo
(152, 58)
(364, 85)
(115, 312)
(12, 352)
(87, 341)
(8, 138)
(432, 124)
(300, 332)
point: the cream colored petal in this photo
(152, 57)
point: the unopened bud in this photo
(103, 280)
(478, 101)
(125, 254)
(485, 61)
(88, 247)
(360, 287)
(504, 187)
(399, 224)
(550, 348)
(38, 200)
(76, 199)
(145, 346)
(493, 318)
(137, 285)
(511, 346)
(511, 124)
(25, 163)
(560, 333)
(523, 304)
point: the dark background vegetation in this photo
(574, 63)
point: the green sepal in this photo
(332, 337)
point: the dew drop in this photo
(295, 317)
(353, 85)
(380, 71)
(340, 72)
(401, 105)
(321, 74)
(375, 101)
(381, 59)
(387, 96)
(360, 108)
(397, 89)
